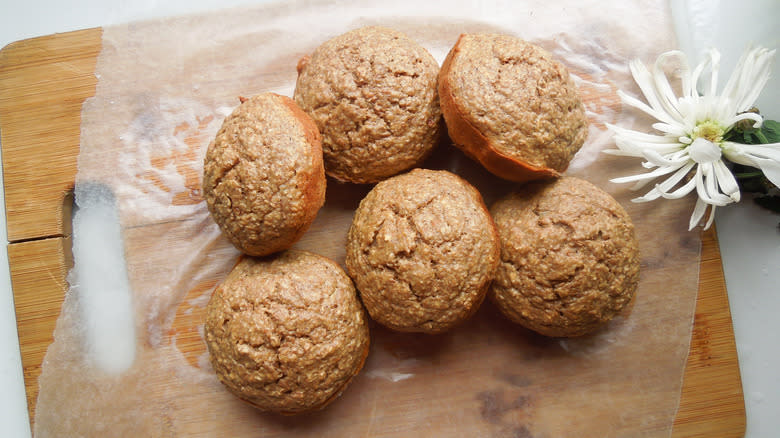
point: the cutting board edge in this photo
(11, 46)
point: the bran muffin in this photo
(263, 175)
(569, 257)
(286, 333)
(372, 93)
(422, 250)
(511, 106)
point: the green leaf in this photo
(771, 131)
(744, 133)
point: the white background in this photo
(749, 237)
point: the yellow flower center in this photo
(709, 130)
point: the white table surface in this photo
(749, 237)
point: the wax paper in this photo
(164, 87)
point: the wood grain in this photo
(38, 272)
(712, 402)
(43, 83)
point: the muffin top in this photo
(422, 250)
(372, 93)
(286, 333)
(509, 104)
(263, 176)
(569, 257)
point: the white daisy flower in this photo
(689, 147)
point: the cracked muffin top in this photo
(422, 250)
(511, 106)
(263, 176)
(286, 333)
(372, 93)
(569, 257)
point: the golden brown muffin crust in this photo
(422, 250)
(263, 175)
(286, 333)
(372, 93)
(569, 257)
(511, 106)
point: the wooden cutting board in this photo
(43, 83)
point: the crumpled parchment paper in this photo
(165, 86)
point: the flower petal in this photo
(711, 184)
(749, 78)
(711, 58)
(635, 147)
(638, 104)
(666, 95)
(763, 156)
(711, 218)
(665, 160)
(705, 188)
(639, 136)
(676, 130)
(769, 150)
(680, 192)
(698, 213)
(757, 118)
(770, 168)
(715, 62)
(726, 181)
(647, 83)
(704, 151)
(735, 152)
(661, 171)
(756, 78)
(664, 187)
(660, 189)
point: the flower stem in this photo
(748, 174)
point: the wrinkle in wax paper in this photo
(165, 86)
